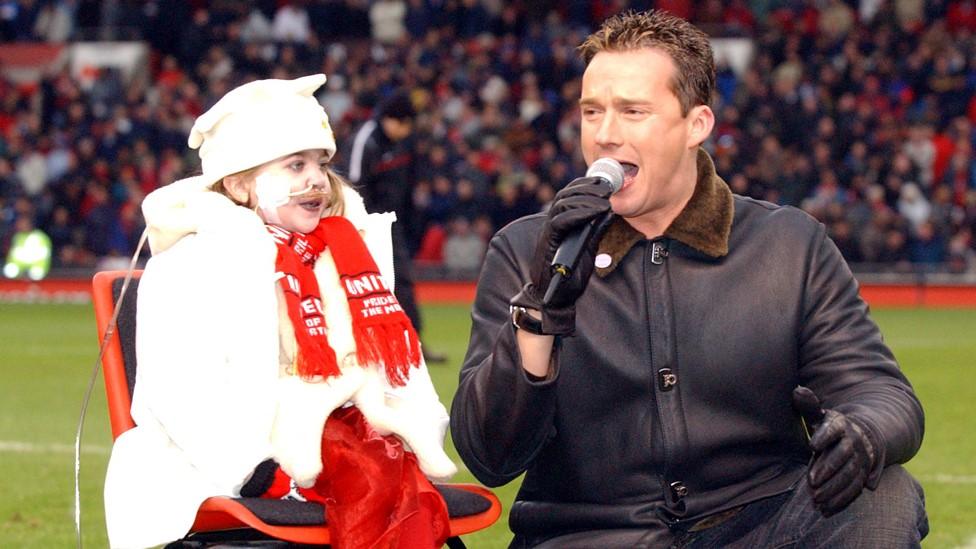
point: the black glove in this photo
(261, 480)
(579, 203)
(843, 454)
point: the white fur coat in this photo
(210, 401)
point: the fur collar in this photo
(704, 224)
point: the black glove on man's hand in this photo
(843, 454)
(579, 203)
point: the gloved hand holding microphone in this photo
(563, 260)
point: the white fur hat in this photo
(259, 122)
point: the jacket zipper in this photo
(660, 331)
(657, 254)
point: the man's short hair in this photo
(687, 45)
(398, 106)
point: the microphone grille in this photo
(608, 169)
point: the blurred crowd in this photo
(862, 112)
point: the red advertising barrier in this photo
(431, 291)
(877, 295)
(46, 291)
(938, 296)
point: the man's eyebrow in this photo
(629, 102)
(617, 102)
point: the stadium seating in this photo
(222, 519)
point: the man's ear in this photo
(237, 187)
(702, 120)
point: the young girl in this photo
(261, 316)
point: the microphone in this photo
(604, 171)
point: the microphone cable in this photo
(109, 332)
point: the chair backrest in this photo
(119, 359)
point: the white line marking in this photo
(18, 447)
(943, 478)
(34, 295)
(970, 544)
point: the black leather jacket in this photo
(673, 400)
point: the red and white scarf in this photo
(382, 331)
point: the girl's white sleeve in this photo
(207, 346)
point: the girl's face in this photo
(293, 191)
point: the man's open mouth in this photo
(630, 170)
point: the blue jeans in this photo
(892, 516)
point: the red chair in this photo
(219, 519)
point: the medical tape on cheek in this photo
(272, 193)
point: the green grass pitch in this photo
(47, 352)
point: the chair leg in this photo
(455, 543)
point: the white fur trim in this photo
(188, 206)
(207, 348)
(376, 231)
(296, 437)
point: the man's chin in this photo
(619, 206)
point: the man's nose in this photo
(608, 132)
